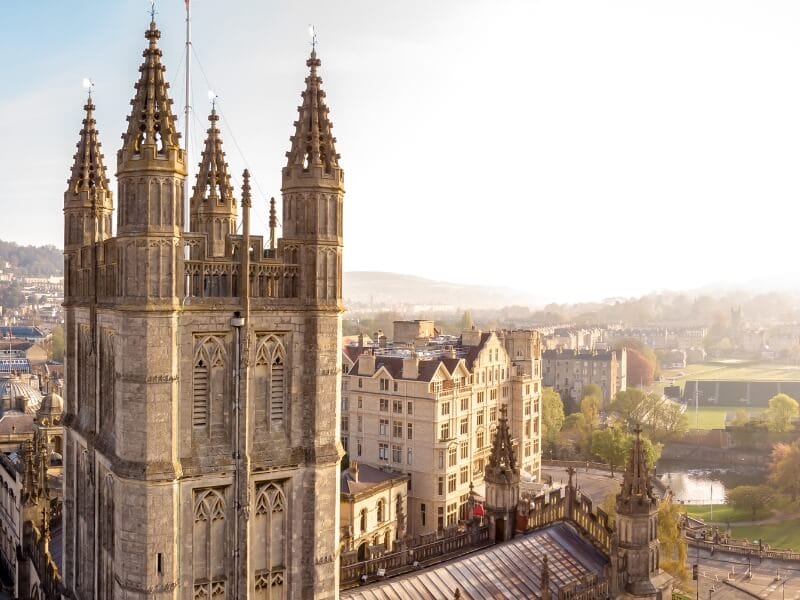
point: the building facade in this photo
(568, 371)
(202, 367)
(373, 509)
(431, 410)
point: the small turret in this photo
(502, 477)
(151, 164)
(213, 207)
(87, 200)
(313, 150)
(637, 529)
(151, 167)
(151, 125)
(313, 188)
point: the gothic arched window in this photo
(269, 546)
(209, 551)
(208, 383)
(270, 383)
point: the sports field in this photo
(732, 371)
(713, 417)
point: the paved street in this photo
(714, 573)
(596, 484)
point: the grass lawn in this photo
(777, 535)
(724, 513)
(732, 371)
(713, 417)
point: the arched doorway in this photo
(362, 551)
(500, 530)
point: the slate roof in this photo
(23, 331)
(16, 423)
(568, 354)
(473, 352)
(352, 352)
(394, 365)
(509, 570)
(368, 477)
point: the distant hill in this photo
(378, 287)
(32, 261)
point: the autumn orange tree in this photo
(784, 468)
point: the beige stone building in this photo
(372, 509)
(431, 409)
(202, 367)
(568, 371)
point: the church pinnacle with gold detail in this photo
(202, 378)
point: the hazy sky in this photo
(572, 149)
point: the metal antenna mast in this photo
(186, 111)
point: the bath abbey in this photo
(202, 379)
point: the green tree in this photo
(741, 418)
(552, 413)
(671, 542)
(57, 342)
(664, 419)
(752, 498)
(630, 405)
(652, 452)
(591, 389)
(590, 408)
(572, 440)
(609, 506)
(782, 410)
(612, 446)
(784, 468)
(574, 421)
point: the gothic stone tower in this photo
(202, 394)
(502, 484)
(637, 530)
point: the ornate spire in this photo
(313, 144)
(502, 457)
(88, 170)
(87, 199)
(212, 200)
(636, 481)
(151, 123)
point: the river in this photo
(704, 485)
